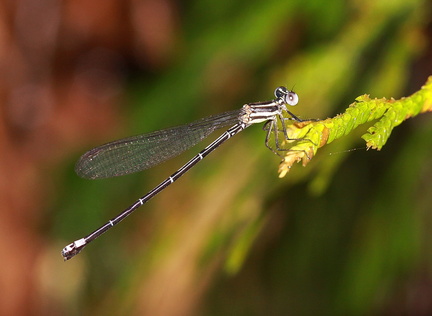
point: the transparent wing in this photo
(141, 152)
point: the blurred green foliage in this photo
(346, 235)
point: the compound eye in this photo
(281, 92)
(291, 98)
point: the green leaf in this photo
(389, 113)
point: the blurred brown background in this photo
(349, 234)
